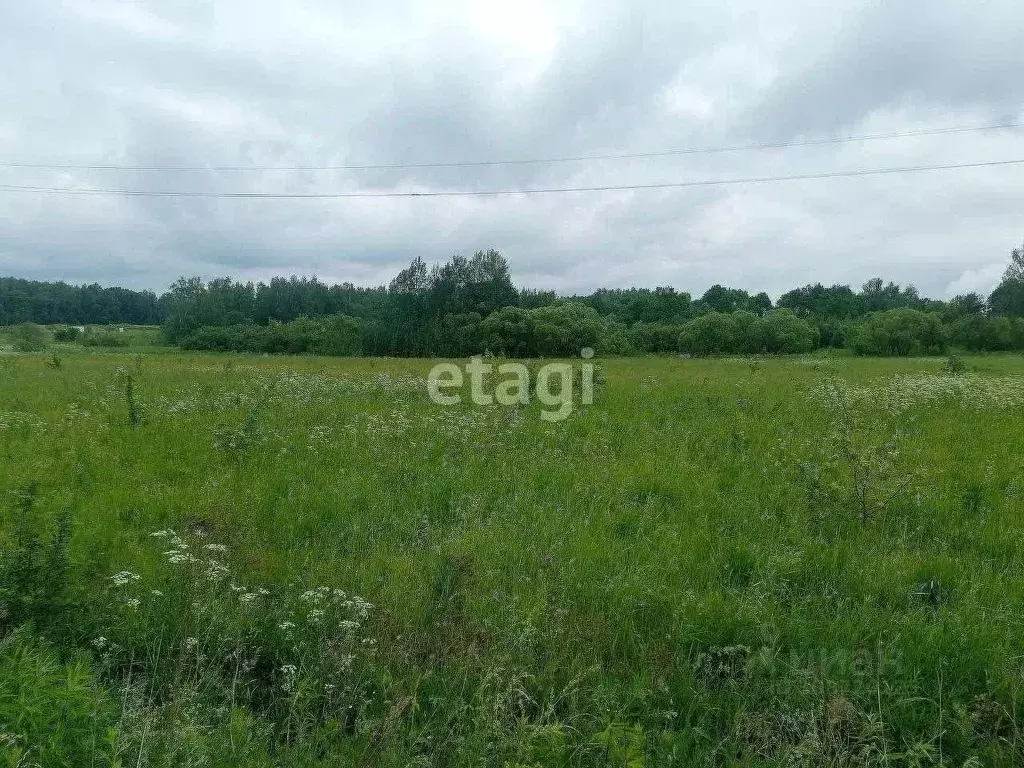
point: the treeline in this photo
(29, 301)
(470, 306)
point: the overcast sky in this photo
(333, 82)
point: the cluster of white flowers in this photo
(920, 390)
(245, 597)
(19, 420)
(322, 624)
(289, 671)
(216, 570)
(124, 578)
(290, 390)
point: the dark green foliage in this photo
(135, 418)
(777, 332)
(955, 364)
(656, 338)
(508, 332)
(469, 305)
(900, 332)
(33, 565)
(51, 303)
(52, 713)
(710, 334)
(987, 333)
(782, 333)
(67, 333)
(839, 301)
(109, 339)
(562, 330)
(29, 337)
(333, 335)
(1008, 298)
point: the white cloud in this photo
(980, 281)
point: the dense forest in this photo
(470, 306)
(23, 301)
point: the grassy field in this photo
(233, 561)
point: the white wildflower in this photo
(289, 671)
(215, 570)
(122, 578)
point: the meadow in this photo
(229, 560)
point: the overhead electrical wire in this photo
(502, 192)
(527, 161)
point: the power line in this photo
(533, 161)
(503, 192)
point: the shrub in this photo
(67, 333)
(33, 566)
(104, 339)
(562, 330)
(781, 332)
(337, 335)
(716, 333)
(508, 332)
(29, 337)
(657, 338)
(899, 332)
(979, 333)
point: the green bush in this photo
(508, 332)
(562, 330)
(33, 566)
(29, 337)
(981, 333)
(716, 333)
(67, 333)
(657, 338)
(337, 335)
(778, 332)
(899, 332)
(781, 332)
(105, 339)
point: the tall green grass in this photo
(810, 561)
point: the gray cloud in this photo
(313, 82)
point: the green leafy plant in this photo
(34, 565)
